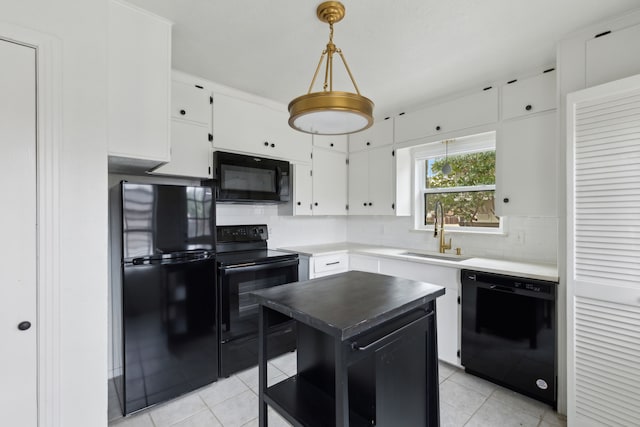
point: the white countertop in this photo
(513, 268)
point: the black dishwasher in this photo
(509, 332)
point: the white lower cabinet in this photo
(447, 306)
(364, 263)
(326, 265)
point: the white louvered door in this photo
(603, 255)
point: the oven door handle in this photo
(253, 266)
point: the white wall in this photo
(79, 27)
(526, 239)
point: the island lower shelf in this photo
(302, 403)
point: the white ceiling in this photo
(402, 53)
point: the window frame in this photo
(464, 145)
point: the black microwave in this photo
(250, 179)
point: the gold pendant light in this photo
(331, 112)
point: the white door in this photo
(603, 255)
(18, 230)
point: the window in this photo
(467, 192)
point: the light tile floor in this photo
(465, 400)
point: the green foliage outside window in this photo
(465, 208)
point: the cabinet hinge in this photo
(347, 161)
(311, 155)
(602, 34)
(210, 137)
(458, 353)
(310, 173)
(346, 207)
(311, 206)
(458, 300)
(211, 100)
(199, 87)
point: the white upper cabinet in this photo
(526, 163)
(371, 182)
(472, 110)
(251, 128)
(191, 102)
(331, 142)
(302, 196)
(612, 55)
(139, 86)
(329, 182)
(381, 133)
(190, 152)
(529, 96)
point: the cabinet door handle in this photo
(370, 204)
(299, 203)
(266, 143)
(364, 204)
(23, 326)
(505, 200)
(316, 203)
(368, 143)
(528, 107)
(273, 145)
(333, 263)
(331, 145)
(438, 127)
(183, 112)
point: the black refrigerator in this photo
(163, 291)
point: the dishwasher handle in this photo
(501, 288)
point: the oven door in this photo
(239, 312)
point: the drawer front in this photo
(331, 263)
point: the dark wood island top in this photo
(347, 304)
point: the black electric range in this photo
(244, 265)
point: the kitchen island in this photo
(367, 351)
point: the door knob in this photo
(23, 326)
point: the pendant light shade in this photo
(331, 112)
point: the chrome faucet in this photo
(443, 246)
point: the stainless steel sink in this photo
(446, 257)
